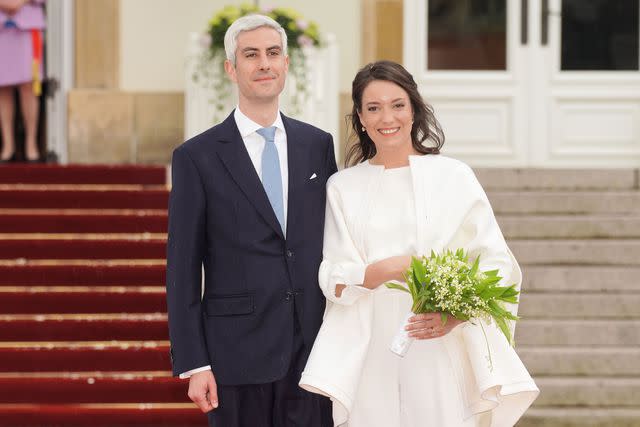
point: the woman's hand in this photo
(380, 272)
(387, 269)
(426, 326)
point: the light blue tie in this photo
(271, 177)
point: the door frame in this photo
(60, 61)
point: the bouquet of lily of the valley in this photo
(449, 284)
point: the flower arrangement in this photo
(448, 283)
(210, 67)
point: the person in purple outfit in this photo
(21, 25)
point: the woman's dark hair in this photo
(425, 126)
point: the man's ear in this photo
(231, 70)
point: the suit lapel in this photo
(297, 160)
(235, 158)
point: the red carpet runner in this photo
(83, 328)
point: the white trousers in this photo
(418, 390)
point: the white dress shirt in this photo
(255, 143)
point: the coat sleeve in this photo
(488, 370)
(341, 261)
(480, 234)
(186, 245)
(330, 162)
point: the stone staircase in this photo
(576, 234)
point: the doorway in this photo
(541, 83)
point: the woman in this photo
(402, 198)
(21, 26)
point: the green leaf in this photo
(512, 300)
(502, 324)
(418, 269)
(511, 291)
(491, 280)
(497, 308)
(414, 285)
(491, 273)
(443, 318)
(396, 286)
(480, 287)
(476, 264)
(491, 292)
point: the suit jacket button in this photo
(289, 254)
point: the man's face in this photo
(261, 66)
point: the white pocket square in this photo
(314, 176)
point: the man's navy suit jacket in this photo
(220, 218)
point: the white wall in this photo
(153, 36)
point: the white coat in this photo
(452, 211)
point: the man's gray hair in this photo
(248, 23)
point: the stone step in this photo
(580, 417)
(622, 333)
(584, 306)
(573, 179)
(564, 202)
(583, 252)
(580, 361)
(602, 391)
(569, 278)
(570, 226)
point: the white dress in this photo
(417, 390)
(373, 213)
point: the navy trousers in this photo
(278, 404)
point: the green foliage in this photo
(449, 284)
(209, 71)
(300, 32)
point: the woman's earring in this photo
(363, 129)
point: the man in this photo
(247, 203)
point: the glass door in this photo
(599, 35)
(467, 35)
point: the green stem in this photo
(486, 340)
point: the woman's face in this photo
(387, 115)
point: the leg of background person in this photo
(29, 105)
(6, 121)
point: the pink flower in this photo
(304, 41)
(205, 40)
(267, 9)
(302, 24)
